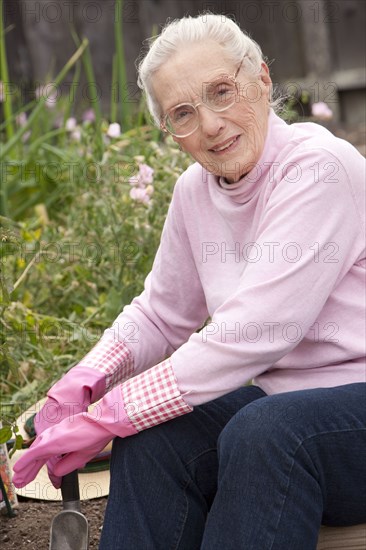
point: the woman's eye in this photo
(181, 114)
(222, 90)
(220, 93)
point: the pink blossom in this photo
(140, 195)
(70, 124)
(144, 176)
(88, 115)
(114, 130)
(76, 134)
(49, 93)
(134, 181)
(321, 110)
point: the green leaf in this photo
(18, 443)
(5, 434)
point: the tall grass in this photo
(120, 66)
(4, 77)
(95, 101)
(11, 143)
(44, 146)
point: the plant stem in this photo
(114, 93)
(4, 78)
(89, 71)
(32, 117)
(25, 272)
(88, 66)
(121, 65)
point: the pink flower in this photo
(49, 93)
(114, 130)
(134, 181)
(88, 115)
(70, 124)
(321, 110)
(144, 176)
(139, 194)
(76, 134)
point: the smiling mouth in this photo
(228, 145)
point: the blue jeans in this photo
(243, 472)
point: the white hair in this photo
(178, 33)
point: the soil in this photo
(30, 527)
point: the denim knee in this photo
(265, 421)
(131, 450)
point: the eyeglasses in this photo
(219, 95)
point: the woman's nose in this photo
(211, 123)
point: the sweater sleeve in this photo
(308, 238)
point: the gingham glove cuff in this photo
(153, 397)
(112, 358)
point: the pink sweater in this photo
(276, 261)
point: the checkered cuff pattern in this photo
(112, 358)
(153, 397)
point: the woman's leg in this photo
(288, 463)
(163, 480)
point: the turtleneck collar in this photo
(244, 189)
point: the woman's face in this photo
(227, 143)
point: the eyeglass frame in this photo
(195, 105)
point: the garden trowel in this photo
(69, 528)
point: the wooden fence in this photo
(313, 45)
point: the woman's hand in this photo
(71, 395)
(74, 441)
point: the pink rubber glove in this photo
(71, 395)
(75, 441)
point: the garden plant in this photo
(82, 203)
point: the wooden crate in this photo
(342, 538)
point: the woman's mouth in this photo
(226, 147)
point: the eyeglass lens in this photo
(217, 96)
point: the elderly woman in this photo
(259, 277)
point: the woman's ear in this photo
(266, 80)
(264, 74)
